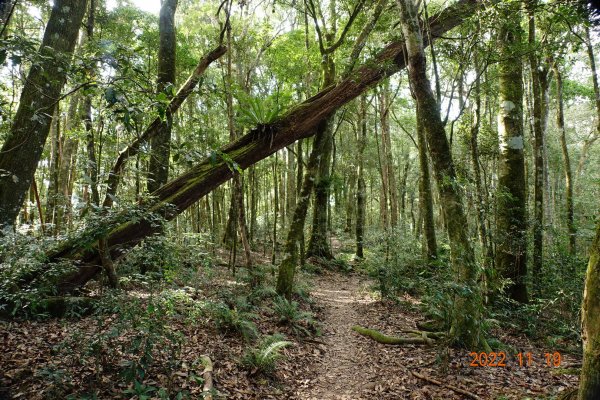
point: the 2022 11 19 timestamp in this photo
(523, 360)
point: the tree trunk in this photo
(299, 122)
(24, 144)
(92, 166)
(361, 189)
(318, 244)
(425, 195)
(466, 315)
(481, 204)
(386, 144)
(590, 50)
(158, 169)
(53, 168)
(511, 224)
(539, 83)
(589, 380)
(287, 268)
(560, 122)
(68, 160)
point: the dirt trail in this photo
(348, 369)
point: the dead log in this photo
(453, 388)
(207, 389)
(262, 141)
(394, 340)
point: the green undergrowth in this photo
(130, 337)
(394, 262)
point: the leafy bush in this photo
(26, 278)
(232, 320)
(300, 322)
(394, 262)
(263, 358)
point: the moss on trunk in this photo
(589, 381)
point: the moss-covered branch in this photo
(394, 340)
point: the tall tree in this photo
(540, 83)
(589, 380)
(425, 195)
(560, 123)
(23, 147)
(361, 189)
(467, 312)
(318, 244)
(511, 223)
(475, 161)
(158, 168)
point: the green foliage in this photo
(231, 320)
(289, 314)
(158, 254)
(141, 391)
(26, 278)
(256, 111)
(128, 343)
(394, 262)
(262, 292)
(263, 358)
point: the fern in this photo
(263, 359)
(300, 322)
(229, 320)
(256, 111)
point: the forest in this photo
(299, 199)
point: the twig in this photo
(454, 388)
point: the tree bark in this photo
(299, 122)
(386, 144)
(540, 85)
(466, 315)
(481, 203)
(287, 268)
(511, 224)
(53, 168)
(92, 166)
(318, 244)
(361, 188)
(589, 380)
(590, 50)
(23, 147)
(160, 143)
(68, 160)
(425, 195)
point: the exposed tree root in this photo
(207, 389)
(418, 338)
(453, 388)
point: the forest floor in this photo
(86, 357)
(355, 367)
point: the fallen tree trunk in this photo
(385, 339)
(262, 141)
(207, 388)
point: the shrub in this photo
(231, 320)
